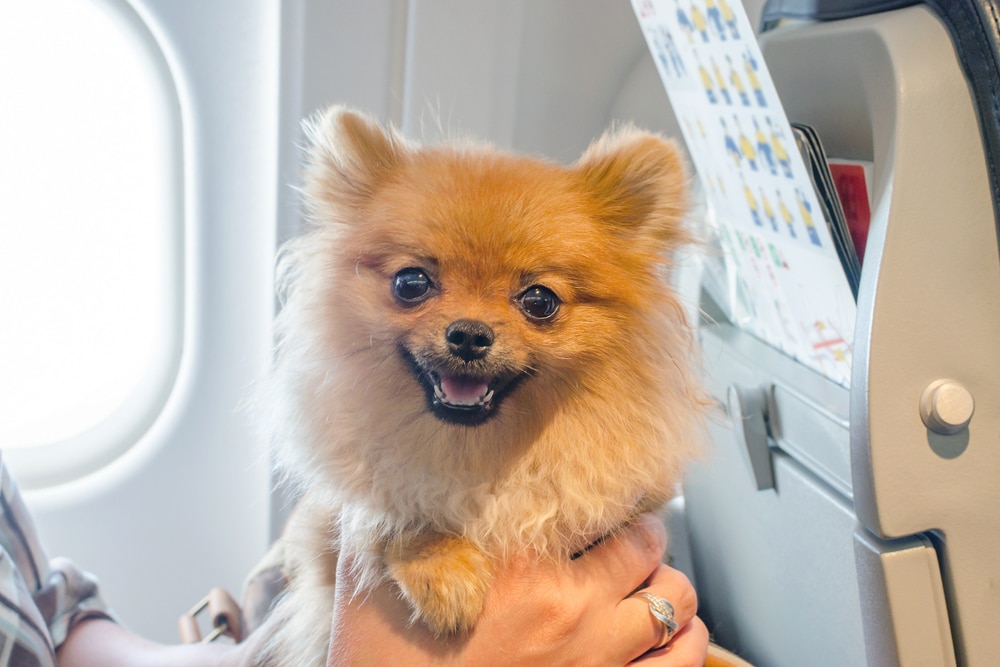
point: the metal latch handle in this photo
(748, 410)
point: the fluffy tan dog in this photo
(478, 354)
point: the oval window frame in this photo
(47, 465)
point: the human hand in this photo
(539, 613)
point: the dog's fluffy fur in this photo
(596, 405)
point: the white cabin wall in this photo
(577, 58)
(539, 77)
(187, 507)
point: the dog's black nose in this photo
(469, 339)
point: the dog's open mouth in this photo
(463, 398)
(459, 392)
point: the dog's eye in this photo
(411, 285)
(539, 303)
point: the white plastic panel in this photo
(186, 508)
(775, 569)
(810, 416)
(929, 302)
(903, 604)
(785, 575)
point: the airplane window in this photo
(91, 235)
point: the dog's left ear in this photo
(640, 183)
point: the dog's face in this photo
(469, 283)
(456, 305)
(491, 276)
(488, 273)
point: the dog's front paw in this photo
(443, 578)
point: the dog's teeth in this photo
(462, 392)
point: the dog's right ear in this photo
(348, 156)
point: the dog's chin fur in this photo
(599, 406)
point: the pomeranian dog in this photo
(478, 354)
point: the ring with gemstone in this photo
(663, 611)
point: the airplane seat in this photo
(875, 541)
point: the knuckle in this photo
(563, 615)
(652, 534)
(687, 598)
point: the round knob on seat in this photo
(946, 407)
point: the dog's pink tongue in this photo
(463, 390)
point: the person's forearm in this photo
(103, 643)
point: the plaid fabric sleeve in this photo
(40, 601)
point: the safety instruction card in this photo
(781, 275)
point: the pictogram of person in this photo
(743, 243)
(666, 52)
(732, 149)
(768, 210)
(805, 210)
(715, 18)
(710, 183)
(750, 66)
(729, 18)
(706, 82)
(764, 148)
(737, 82)
(779, 261)
(659, 50)
(675, 56)
(746, 146)
(786, 215)
(780, 154)
(752, 204)
(698, 22)
(684, 23)
(721, 82)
